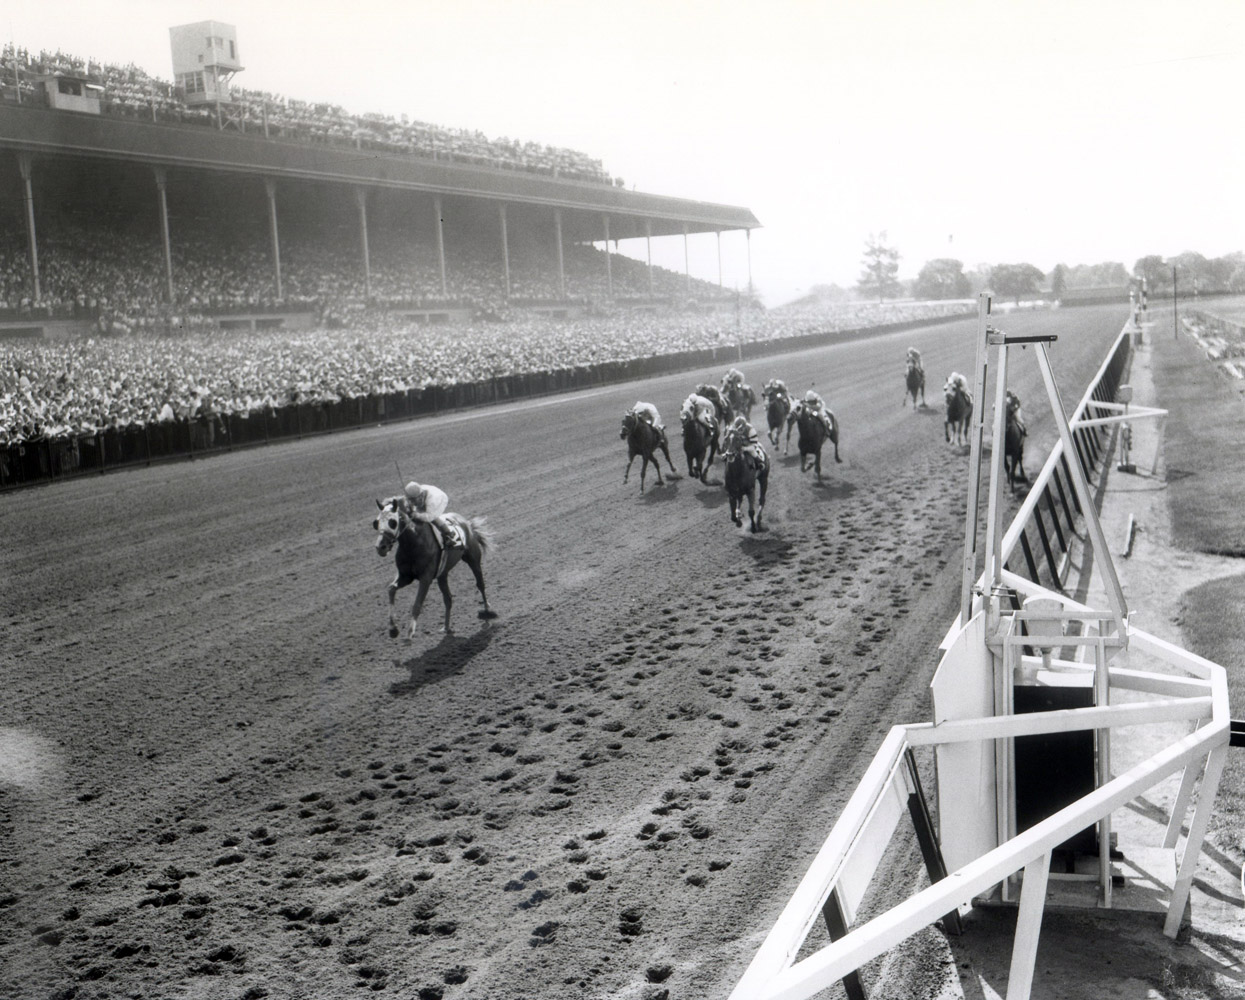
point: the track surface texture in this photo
(221, 778)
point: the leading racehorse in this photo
(645, 440)
(418, 557)
(740, 398)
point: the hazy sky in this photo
(990, 132)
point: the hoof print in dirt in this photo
(546, 933)
(630, 923)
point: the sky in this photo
(1039, 131)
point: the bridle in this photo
(388, 535)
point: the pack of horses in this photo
(419, 556)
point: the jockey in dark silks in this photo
(1013, 411)
(714, 394)
(914, 359)
(777, 388)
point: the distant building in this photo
(205, 58)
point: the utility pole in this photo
(1175, 314)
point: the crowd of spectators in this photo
(81, 385)
(131, 91)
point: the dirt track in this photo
(222, 778)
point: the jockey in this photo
(914, 359)
(742, 437)
(777, 387)
(1013, 409)
(734, 378)
(648, 413)
(814, 404)
(427, 503)
(697, 407)
(712, 393)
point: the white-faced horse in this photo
(418, 557)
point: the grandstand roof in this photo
(65, 134)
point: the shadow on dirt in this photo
(443, 660)
(832, 489)
(712, 494)
(654, 493)
(766, 549)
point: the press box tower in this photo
(205, 58)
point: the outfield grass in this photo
(1232, 309)
(1203, 445)
(1210, 616)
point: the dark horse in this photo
(959, 413)
(721, 404)
(1014, 443)
(812, 436)
(740, 398)
(418, 557)
(644, 439)
(914, 382)
(777, 407)
(700, 444)
(741, 481)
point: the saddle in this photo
(455, 538)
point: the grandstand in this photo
(131, 203)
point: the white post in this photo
(1028, 928)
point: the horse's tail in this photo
(478, 526)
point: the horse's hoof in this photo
(393, 631)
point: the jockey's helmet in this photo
(810, 396)
(412, 490)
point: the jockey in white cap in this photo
(697, 407)
(741, 437)
(648, 413)
(814, 404)
(914, 359)
(776, 387)
(428, 503)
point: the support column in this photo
(505, 248)
(748, 239)
(719, 258)
(360, 195)
(557, 225)
(648, 243)
(687, 264)
(270, 186)
(436, 208)
(162, 180)
(609, 273)
(24, 164)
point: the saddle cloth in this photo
(456, 538)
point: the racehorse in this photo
(419, 554)
(720, 404)
(914, 380)
(644, 439)
(812, 436)
(959, 412)
(700, 444)
(740, 399)
(1014, 443)
(741, 480)
(777, 407)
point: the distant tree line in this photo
(946, 277)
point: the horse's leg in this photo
(473, 560)
(443, 581)
(752, 507)
(398, 581)
(628, 470)
(657, 467)
(817, 464)
(424, 583)
(665, 449)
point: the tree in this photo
(942, 278)
(880, 276)
(1058, 281)
(1015, 280)
(1153, 270)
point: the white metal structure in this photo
(973, 735)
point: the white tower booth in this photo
(205, 58)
